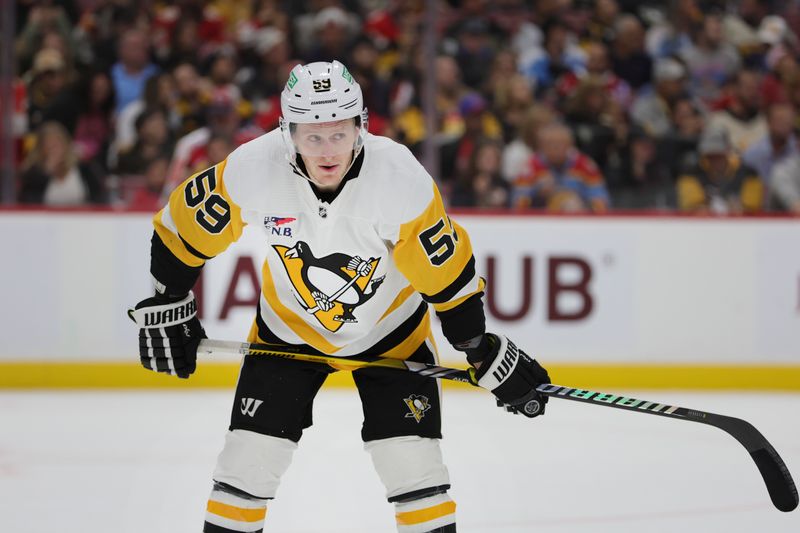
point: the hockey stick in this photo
(776, 475)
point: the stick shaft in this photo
(777, 478)
(211, 347)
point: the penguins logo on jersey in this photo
(418, 405)
(330, 287)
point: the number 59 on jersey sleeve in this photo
(200, 220)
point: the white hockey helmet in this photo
(317, 93)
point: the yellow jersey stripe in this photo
(402, 296)
(432, 262)
(212, 197)
(236, 513)
(410, 518)
(295, 323)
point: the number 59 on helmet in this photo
(318, 93)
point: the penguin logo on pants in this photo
(330, 287)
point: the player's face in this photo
(327, 150)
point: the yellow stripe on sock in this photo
(236, 513)
(409, 518)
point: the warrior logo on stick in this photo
(330, 287)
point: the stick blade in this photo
(776, 476)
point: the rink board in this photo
(609, 301)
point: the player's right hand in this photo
(169, 333)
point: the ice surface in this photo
(133, 462)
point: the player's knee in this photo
(410, 467)
(253, 463)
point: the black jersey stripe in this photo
(194, 251)
(386, 344)
(398, 335)
(447, 294)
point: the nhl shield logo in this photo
(418, 405)
(329, 287)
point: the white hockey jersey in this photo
(352, 276)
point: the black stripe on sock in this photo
(213, 528)
(419, 494)
(449, 528)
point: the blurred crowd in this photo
(557, 105)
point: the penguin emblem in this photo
(330, 287)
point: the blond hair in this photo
(37, 156)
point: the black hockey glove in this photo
(510, 374)
(169, 333)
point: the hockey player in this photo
(359, 247)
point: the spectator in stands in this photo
(785, 185)
(222, 119)
(597, 122)
(497, 79)
(334, 31)
(711, 62)
(475, 51)
(261, 77)
(153, 139)
(720, 184)
(512, 98)
(776, 38)
(559, 177)
(628, 57)
(601, 23)
(324, 32)
(95, 128)
(217, 149)
(677, 149)
(449, 92)
(53, 175)
(147, 196)
(50, 96)
(517, 153)
(183, 43)
(642, 180)
(159, 93)
(741, 112)
(191, 97)
(778, 82)
(482, 185)
(741, 24)
(376, 89)
(671, 36)
(558, 56)
(43, 19)
(652, 111)
(598, 67)
(778, 144)
(133, 69)
(478, 123)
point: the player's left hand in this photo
(510, 374)
(169, 334)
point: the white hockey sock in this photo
(426, 514)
